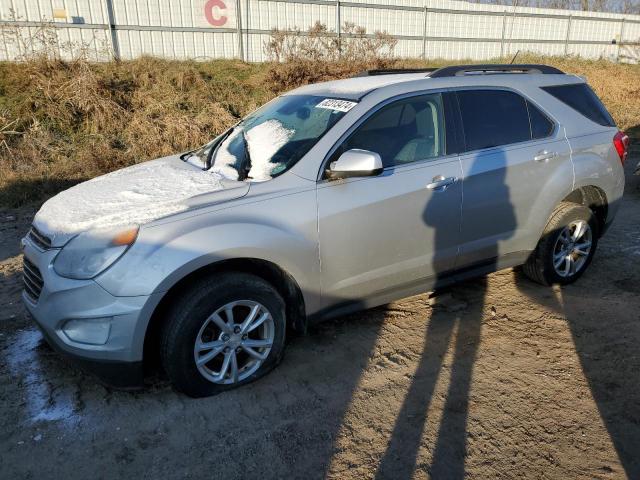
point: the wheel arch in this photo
(280, 279)
(595, 199)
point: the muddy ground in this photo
(499, 378)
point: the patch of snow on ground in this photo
(264, 141)
(133, 195)
(42, 402)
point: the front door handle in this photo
(439, 183)
(545, 156)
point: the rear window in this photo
(581, 98)
(492, 118)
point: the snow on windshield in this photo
(276, 136)
(263, 141)
(136, 194)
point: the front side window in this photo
(272, 139)
(402, 132)
(492, 118)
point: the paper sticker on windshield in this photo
(335, 104)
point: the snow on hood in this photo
(134, 195)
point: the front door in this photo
(387, 235)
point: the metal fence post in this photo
(621, 40)
(424, 34)
(338, 28)
(247, 38)
(566, 40)
(504, 29)
(239, 30)
(115, 45)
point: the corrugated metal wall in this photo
(205, 29)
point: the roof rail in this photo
(392, 71)
(459, 70)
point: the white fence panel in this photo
(204, 29)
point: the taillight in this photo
(621, 142)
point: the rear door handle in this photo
(439, 183)
(545, 156)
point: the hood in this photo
(134, 195)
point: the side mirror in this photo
(356, 163)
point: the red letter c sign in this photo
(209, 14)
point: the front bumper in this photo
(117, 361)
(121, 375)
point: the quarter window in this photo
(581, 98)
(541, 126)
(405, 131)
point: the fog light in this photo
(94, 331)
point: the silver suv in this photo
(331, 198)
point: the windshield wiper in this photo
(245, 168)
(213, 151)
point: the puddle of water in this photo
(44, 402)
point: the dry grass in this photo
(63, 122)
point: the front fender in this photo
(164, 254)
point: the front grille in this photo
(32, 279)
(39, 239)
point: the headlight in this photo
(91, 252)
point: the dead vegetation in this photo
(317, 55)
(66, 121)
(61, 122)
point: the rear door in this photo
(385, 235)
(513, 152)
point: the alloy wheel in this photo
(572, 248)
(234, 341)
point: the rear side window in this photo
(541, 126)
(581, 98)
(492, 118)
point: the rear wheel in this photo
(226, 331)
(566, 248)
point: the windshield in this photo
(272, 139)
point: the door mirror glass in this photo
(356, 163)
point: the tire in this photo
(564, 221)
(201, 315)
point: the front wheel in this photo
(227, 330)
(566, 248)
